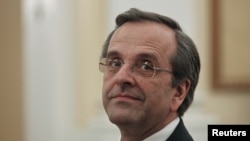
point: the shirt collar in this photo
(165, 132)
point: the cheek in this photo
(107, 86)
(157, 92)
(159, 86)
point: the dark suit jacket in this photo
(180, 133)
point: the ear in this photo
(179, 94)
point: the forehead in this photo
(148, 37)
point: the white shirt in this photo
(165, 132)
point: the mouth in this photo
(126, 97)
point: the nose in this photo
(125, 76)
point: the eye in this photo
(113, 64)
(146, 66)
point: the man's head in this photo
(151, 70)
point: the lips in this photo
(125, 96)
(129, 94)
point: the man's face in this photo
(133, 99)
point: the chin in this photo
(121, 118)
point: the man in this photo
(151, 69)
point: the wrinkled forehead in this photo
(144, 34)
(145, 30)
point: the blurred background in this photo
(50, 86)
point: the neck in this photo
(132, 134)
(139, 132)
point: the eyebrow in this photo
(113, 53)
(145, 55)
